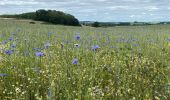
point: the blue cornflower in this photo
(37, 49)
(114, 47)
(3, 75)
(94, 48)
(10, 39)
(47, 45)
(78, 37)
(135, 45)
(49, 33)
(26, 53)
(135, 39)
(39, 54)
(13, 33)
(9, 52)
(91, 38)
(18, 29)
(119, 40)
(4, 42)
(13, 45)
(75, 61)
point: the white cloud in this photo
(117, 7)
(151, 8)
(17, 2)
(101, 10)
(135, 16)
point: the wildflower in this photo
(13, 33)
(3, 75)
(119, 40)
(62, 46)
(75, 61)
(39, 54)
(47, 45)
(78, 37)
(13, 45)
(10, 39)
(26, 53)
(94, 48)
(36, 69)
(9, 52)
(18, 29)
(114, 47)
(91, 38)
(134, 39)
(76, 45)
(4, 42)
(49, 33)
(169, 45)
(135, 45)
(37, 49)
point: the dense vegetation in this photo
(111, 24)
(96, 24)
(51, 16)
(52, 62)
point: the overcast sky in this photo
(96, 10)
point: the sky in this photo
(96, 10)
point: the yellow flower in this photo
(169, 45)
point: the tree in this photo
(96, 24)
(56, 17)
(50, 16)
(41, 15)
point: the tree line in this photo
(50, 16)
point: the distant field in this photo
(53, 62)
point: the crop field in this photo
(53, 62)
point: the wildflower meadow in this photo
(53, 62)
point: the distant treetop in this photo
(50, 16)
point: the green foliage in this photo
(96, 24)
(51, 16)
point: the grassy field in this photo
(52, 62)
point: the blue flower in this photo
(39, 54)
(135, 45)
(13, 45)
(26, 53)
(49, 33)
(3, 75)
(4, 42)
(9, 52)
(75, 61)
(47, 45)
(10, 39)
(134, 39)
(91, 38)
(62, 46)
(37, 49)
(13, 33)
(94, 48)
(18, 29)
(78, 37)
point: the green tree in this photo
(50, 16)
(96, 24)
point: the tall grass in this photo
(129, 63)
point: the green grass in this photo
(132, 63)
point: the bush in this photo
(32, 22)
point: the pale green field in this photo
(132, 63)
